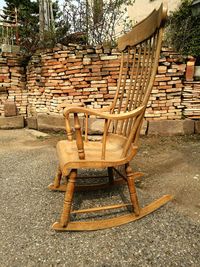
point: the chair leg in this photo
(57, 178)
(56, 182)
(132, 190)
(65, 216)
(110, 175)
(66, 225)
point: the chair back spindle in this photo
(139, 61)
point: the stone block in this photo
(95, 138)
(144, 128)
(171, 127)
(36, 133)
(14, 122)
(32, 123)
(50, 123)
(190, 70)
(197, 127)
(3, 89)
(54, 123)
(10, 109)
(95, 126)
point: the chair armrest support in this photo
(107, 116)
(79, 139)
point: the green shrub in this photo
(183, 30)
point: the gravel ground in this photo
(168, 237)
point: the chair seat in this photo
(68, 154)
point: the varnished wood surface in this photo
(111, 207)
(65, 215)
(69, 158)
(113, 222)
(144, 29)
(103, 115)
(123, 121)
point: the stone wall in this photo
(76, 74)
(191, 99)
(13, 82)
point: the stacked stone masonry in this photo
(191, 99)
(13, 83)
(90, 76)
(77, 74)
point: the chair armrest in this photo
(107, 116)
(103, 115)
(66, 105)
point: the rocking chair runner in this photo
(123, 119)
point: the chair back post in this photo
(137, 73)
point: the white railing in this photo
(8, 33)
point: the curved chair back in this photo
(139, 61)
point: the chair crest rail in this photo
(144, 29)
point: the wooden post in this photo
(132, 190)
(57, 178)
(79, 140)
(68, 129)
(65, 216)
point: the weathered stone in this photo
(37, 134)
(197, 127)
(144, 128)
(3, 88)
(32, 123)
(14, 122)
(95, 138)
(171, 127)
(10, 109)
(95, 126)
(50, 122)
(53, 76)
(54, 123)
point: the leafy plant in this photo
(26, 14)
(97, 20)
(183, 31)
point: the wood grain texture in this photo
(58, 177)
(144, 29)
(65, 216)
(123, 121)
(68, 129)
(113, 222)
(132, 190)
(79, 139)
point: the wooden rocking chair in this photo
(123, 119)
